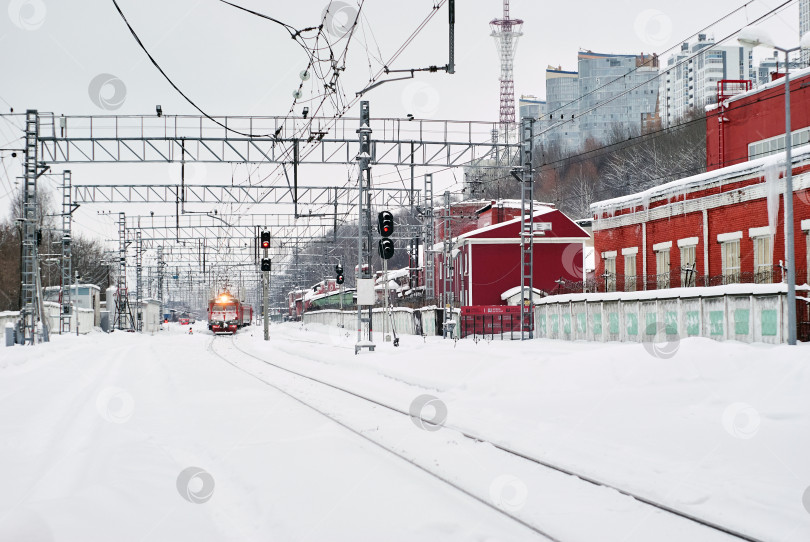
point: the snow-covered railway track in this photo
(708, 524)
(367, 438)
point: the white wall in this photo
(406, 320)
(720, 313)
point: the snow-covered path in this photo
(101, 433)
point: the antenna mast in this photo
(506, 31)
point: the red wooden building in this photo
(485, 261)
(749, 125)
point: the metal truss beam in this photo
(273, 195)
(397, 142)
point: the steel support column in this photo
(428, 235)
(67, 209)
(29, 222)
(526, 230)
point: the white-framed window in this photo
(688, 265)
(763, 260)
(610, 274)
(630, 273)
(730, 255)
(662, 269)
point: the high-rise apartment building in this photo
(531, 106)
(616, 94)
(562, 91)
(689, 79)
(774, 64)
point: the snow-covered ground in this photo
(138, 437)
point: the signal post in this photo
(267, 266)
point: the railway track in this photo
(468, 435)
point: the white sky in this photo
(234, 63)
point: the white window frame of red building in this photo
(776, 144)
(806, 228)
(763, 254)
(731, 273)
(630, 268)
(663, 279)
(688, 247)
(610, 270)
(688, 265)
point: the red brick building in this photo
(752, 124)
(705, 230)
(485, 260)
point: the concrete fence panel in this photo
(741, 312)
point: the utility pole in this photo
(160, 265)
(67, 210)
(527, 229)
(364, 227)
(266, 266)
(447, 271)
(265, 301)
(427, 235)
(29, 230)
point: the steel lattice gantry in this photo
(171, 193)
(268, 140)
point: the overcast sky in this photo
(233, 63)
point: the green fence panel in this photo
(693, 323)
(632, 324)
(769, 323)
(597, 324)
(741, 320)
(716, 322)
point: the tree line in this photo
(86, 257)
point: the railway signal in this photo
(267, 264)
(339, 273)
(265, 238)
(385, 223)
(386, 248)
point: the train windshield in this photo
(221, 307)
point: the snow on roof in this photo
(394, 274)
(516, 290)
(392, 285)
(540, 212)
(702, 291)
(72, 286)
(770, 84)
(681, 186)
(510, 204)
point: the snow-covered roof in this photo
(701, 291)
(516, 290)
(510, 204)
(392, 285)
(394, 274)
(770, 84)
(682, 186)
(538, 212)
(72, 286)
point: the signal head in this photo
(386, 249)
(385, 223)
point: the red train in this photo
(226, 314)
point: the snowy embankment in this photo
(720, 430)
(102, 435)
